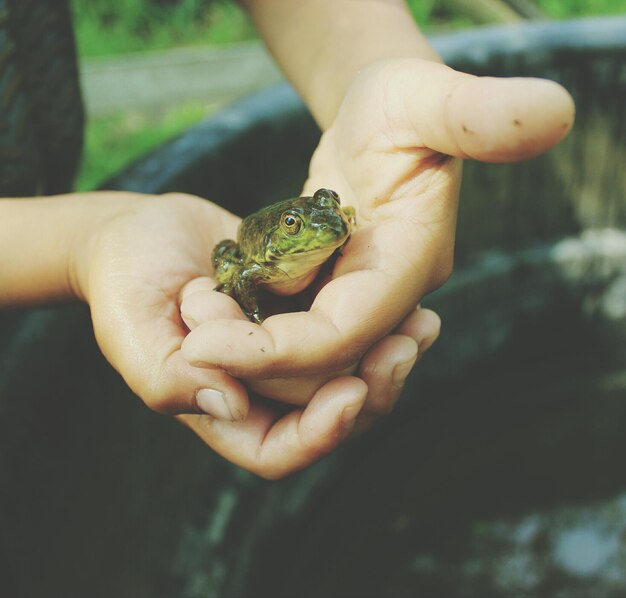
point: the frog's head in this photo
(297, 234)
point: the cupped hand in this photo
(392, 153)
(132, 266)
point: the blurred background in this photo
(501, 472)
(152, 68)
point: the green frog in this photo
(281, 245)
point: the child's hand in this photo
(389, 153)
(132, 265)
(384, 369)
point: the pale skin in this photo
(395, 123)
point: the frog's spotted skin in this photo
(281, 242)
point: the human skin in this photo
(129, 256)
(396, 125)
(393, 121)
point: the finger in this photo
(196, 285)
(145, 349)
(297, 390)
(483, 118)
(423, 326)
(274, 448)
(205, 305)
(180, 388)
(384, 369)
(387, 365)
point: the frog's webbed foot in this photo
(226, 265)
(226, 250)
(224, 288)
(256, 316)
(250, 307)
(247, 302)
(246, 292)
(350, 212)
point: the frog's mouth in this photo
(301, 262)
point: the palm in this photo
(152, 249)
(142, 259)
(404, 193)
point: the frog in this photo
(281, 245)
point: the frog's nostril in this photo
(326, 197)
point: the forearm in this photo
(322, 44)
(40, 239)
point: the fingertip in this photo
(196, 285)
(207, 304)
(223, 397)
(427, 338)
(189, 320)
(544, 116)
(423, 326)
(385, 368)
(509, 119)
(331, 414)
(386, 355)
(352, 408)
(179, 388)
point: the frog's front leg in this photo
(350, 213)
(246, 290)
(227, 265)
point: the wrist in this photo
(93, 212)
(322, 45)
(46, 244)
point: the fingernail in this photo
(348, 416)
(401, 371)
(428, 334)
(190, 322)
(213, 403)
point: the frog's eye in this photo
(291, 223)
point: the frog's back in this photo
(255, 230)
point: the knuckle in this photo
(338, 360)
(158, 397)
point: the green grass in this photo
(113, 142)
(567, 9)
(105, 28)
(435, 15)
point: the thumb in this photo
(482, 118)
